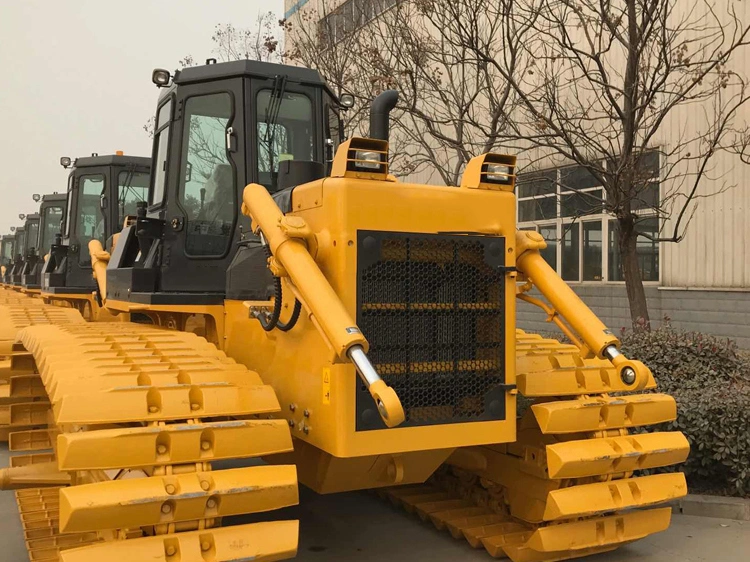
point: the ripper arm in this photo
(291, 243)
(583, 327)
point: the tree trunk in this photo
(632, 273)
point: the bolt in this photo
(161, 449)
(171, 489)
(292, 407)
(195, 407)
(205, 545)
(628, 375)
(306, 429)
(153, 409)
(171, 551)
(291, 423)
(211, 503)
(166, 508)
(307, 413)
(205, 445)
(205, 486)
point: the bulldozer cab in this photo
(27, 248)
(50, 219)
(7, 244)
(102, 191)
(218, 128)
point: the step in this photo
(138, 502)
(587, 536)
(604, 412)
(259, 542)
(602, 497)
(172, 444)
(176, 402)
(613, 455)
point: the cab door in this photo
(206, 173)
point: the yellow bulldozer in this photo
(299, 304)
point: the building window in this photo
(566, 206)
(350, 16)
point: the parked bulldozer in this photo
(7, 246)
(26, 241)
(103, 190)
(16, 240)
(355, 332)
(51, 212)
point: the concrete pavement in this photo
(360, 527)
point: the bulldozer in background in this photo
(102, 191)
(7, 245)
(26, 242)
(357, 332)
(51, 212)
(17, 239)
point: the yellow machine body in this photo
(120, 423)
(315, 382)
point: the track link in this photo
(560, 490)
(17, 377)
(136, 417)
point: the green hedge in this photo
(711, 382)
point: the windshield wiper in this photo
(271, 117)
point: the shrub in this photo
(711, 383)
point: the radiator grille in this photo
(432, 308)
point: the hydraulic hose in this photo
(275, 320)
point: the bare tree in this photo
(261, 41)
(321, 37)
(609, 77)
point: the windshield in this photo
(51, 220)
(132, 187)
(20, 241)
(32, 236)
(285, 132)
(90, 219)
(7, 251)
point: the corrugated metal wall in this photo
(716, 250)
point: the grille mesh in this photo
(432, 308)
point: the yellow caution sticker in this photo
(327, 386)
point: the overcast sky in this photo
(75, 78)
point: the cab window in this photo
(32, 236)
(50, 226)
(207, 190)
(132, 187)
(90, 218)
(161, 142)
(285, 132)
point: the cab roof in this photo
(111, 160)
(255, 68)
(251, 68)
(54, 197)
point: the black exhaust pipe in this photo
(379, 111)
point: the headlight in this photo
(367, 160)
(160, 77)
(498, 173)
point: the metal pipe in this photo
(379, 114)
(610, 352)
(366, 371)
